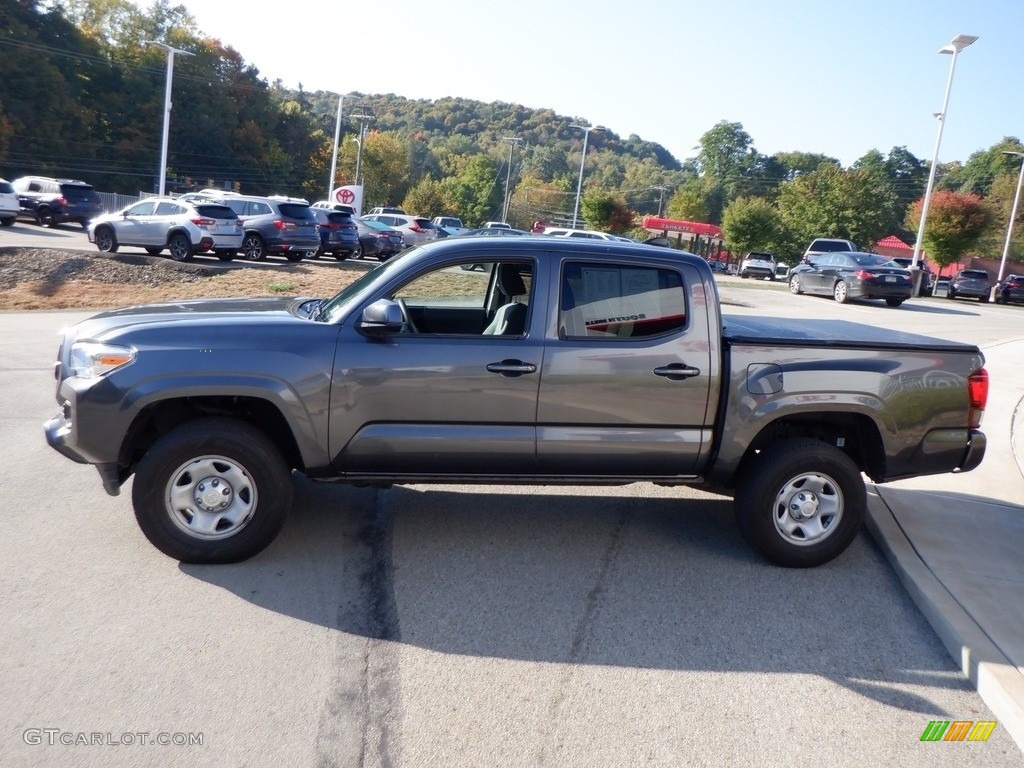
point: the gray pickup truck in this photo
(508, 360)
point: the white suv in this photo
(182, 227)
(827, 245)
(9, 205)
(758, 264)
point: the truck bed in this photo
(750, 330)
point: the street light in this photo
(958, 44)
(334, 157)
(1009, 227)
(579, 184)
(167, 106)
(512, 141)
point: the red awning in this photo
(677, 225)
(893, 242)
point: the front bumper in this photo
(60, 436)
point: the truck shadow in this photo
(550, 575)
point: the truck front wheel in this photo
(801, 503)
(213, 490)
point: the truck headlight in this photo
(90, 359)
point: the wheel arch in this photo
(178, 231)
(158, 418)
(855, 434)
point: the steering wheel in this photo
(408, 325)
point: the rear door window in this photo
(606, 300)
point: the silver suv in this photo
(416, 229)
(182, 227)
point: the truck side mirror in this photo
(383, 316)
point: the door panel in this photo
(614, 400)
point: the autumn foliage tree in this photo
(955, 222)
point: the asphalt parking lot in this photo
(458, 626)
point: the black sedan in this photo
(853, 275)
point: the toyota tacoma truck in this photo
(501, 361)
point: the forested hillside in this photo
(82, 95)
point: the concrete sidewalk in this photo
(957, 544)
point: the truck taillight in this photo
(977, 391)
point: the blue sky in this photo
(837, 78)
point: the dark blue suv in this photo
(56, 201)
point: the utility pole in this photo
(512, 141)
(362, 134)
(661, 201)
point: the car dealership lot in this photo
(422, 626)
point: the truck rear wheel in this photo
(801, 503)
(213, 490)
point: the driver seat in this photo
(510, 319)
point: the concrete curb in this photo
(999, 683)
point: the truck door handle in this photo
(676, 371)
(511, 368)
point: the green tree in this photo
(955, 222)
(750, 224)
(693, 201)
(831, 202)
(599, 209)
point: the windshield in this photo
(333, 308)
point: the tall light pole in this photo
(512, 141)
(334, 157)
(579, 184)
(167, 107)
(1009, 227)
(958, 44)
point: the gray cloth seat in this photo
(510, 319)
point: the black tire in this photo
(180, 247)
(339, 255)
(360, 251)
(800, 503)
(8, 222)
(222, 463)
(294, 256)
(44, 216)
(105, 240)
(227, 255)
(894, 302)
(951, 294)
(841, 292)
(253, 247)
(794, 285)
(154, 251)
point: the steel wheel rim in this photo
(210, 497)
(808, 509)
